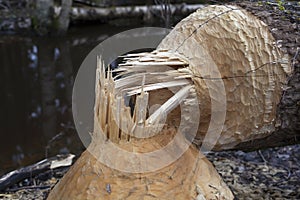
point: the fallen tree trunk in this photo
(286, 112)
(30, 171)
(287, 128)
(109, 13)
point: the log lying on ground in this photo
(104, 14)
(236, 68)
(30, 171)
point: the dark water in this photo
(36, 82)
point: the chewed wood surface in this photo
(215, 46)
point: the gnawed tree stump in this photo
(192, 176)
(220, 59)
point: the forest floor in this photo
(272, 173)
(266, 174)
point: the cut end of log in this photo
(144, 97)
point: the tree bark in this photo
(64, 17)
(42, 20)
(288, 115)
(288, 111)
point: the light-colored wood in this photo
(221, 56)
(191, 176)
(223, 46)
(241, 46)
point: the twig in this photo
(42, 187)
(3, 6)
(56, 137)
(295, 57)
(268, 63)
(262, 156)
(165, 11)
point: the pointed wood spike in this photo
(156, 86)
(143, 84)
(169, 105)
